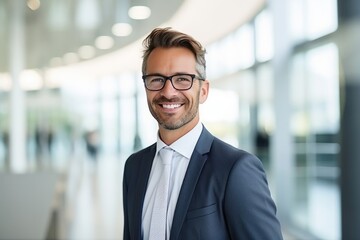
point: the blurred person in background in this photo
(215, 190)
(262, 144)
(92, 144)
(5, 141)
(44, 139)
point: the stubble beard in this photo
(174, 125)
(180, 123)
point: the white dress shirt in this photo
(183, 148)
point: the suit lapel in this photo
(143, 174)
(192, 175)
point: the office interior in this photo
(285, 85)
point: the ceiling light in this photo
(56, 62)
(104, 42)
(33, 4)
(121, 29)
(70, 58)
(86, 52)
(139, 12)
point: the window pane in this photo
(264, 36)
(232, 53)
(312, 19)
(321, 17)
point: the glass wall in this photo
(315, 126)
(314, 90)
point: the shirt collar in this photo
(184, 145)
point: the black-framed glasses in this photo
(181, 81)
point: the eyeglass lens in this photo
(179, 82)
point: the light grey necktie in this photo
(159, 216)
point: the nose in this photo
(168, 88)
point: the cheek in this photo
(149, 99)
(150, 96)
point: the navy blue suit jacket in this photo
(224, 195)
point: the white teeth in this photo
(171, 106)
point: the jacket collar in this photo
(196, 164)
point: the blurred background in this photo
(285, 85)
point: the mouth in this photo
(170, 106)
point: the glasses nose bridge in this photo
(170, 78)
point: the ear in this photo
(204, 91)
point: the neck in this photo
(170, 136)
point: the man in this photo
(215, 191)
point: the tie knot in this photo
(166, 154)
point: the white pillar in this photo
(282, 149)
(17, 103)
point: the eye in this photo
(156, 79)
(182, 78)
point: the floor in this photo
(93, 202)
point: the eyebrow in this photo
(176, 73)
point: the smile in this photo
(171, 106)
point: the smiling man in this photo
(189, 184)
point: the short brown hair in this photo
(166, 38)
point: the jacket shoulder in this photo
(136, 157)
(230, 153)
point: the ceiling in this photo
(60, 27)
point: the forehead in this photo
(171, 60)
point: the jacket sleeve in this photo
(249, 209)
(126, 232)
